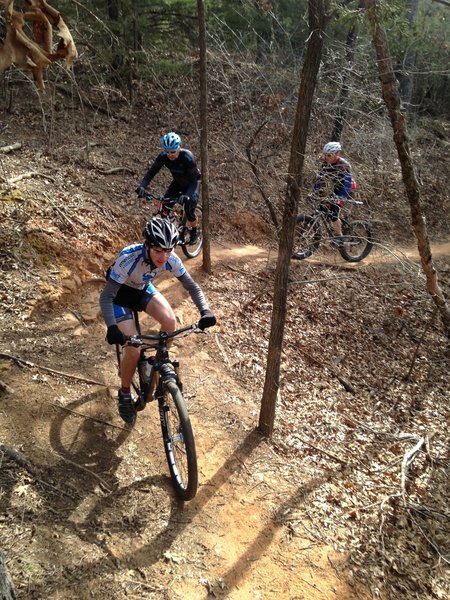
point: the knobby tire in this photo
(192, 251)
(179, 441)
(357, 240)
(307, 237)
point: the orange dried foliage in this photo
(35, 54)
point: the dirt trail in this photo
(105, 516)
(104, 513)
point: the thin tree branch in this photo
(21, 362)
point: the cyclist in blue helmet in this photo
(335, 174)
(185, 173)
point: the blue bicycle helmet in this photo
(171, 142)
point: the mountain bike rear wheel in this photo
(307, 237)
(357, 240)
(178, 441)
(192, 250)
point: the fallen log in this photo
(11, 148)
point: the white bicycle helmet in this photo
(332, 148)
(171, 142)
(161, 232)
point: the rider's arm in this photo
(195, 291)
(106, 301)
(191, 173)
(154, 169)
(319, 181)
(343, 185)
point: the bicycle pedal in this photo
(140, 405)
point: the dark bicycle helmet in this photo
(171, 142)
(161, 232)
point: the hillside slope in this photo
(349, 498)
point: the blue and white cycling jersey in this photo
(131, 267)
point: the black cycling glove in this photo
(115, 336)
(208, 319)
(140, 191)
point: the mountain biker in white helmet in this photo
(186, 177)
(129, 286)
(335, 173)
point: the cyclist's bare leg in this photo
(160, 310)
(130, 354)
(337, 226)
(193, 223)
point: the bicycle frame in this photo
(169, 208)
(163, 385)
(174, 210)
(344, 214)
(164, 367)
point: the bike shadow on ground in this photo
(166, 524)
(163, 531)
(86, 445)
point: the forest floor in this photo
(348, 499)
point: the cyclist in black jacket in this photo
(186, 177)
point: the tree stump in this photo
(6, 585)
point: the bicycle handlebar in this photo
(315, 200)
(150, 197)
(162, 336)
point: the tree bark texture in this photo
(204, 135)
(308, 78)
(344, 92)
(409, 59)
(7, 591)
(391, 98)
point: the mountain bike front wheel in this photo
(307, 237)
(357, 240)
(178, 441)
(192, 250)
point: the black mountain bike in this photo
(173, 209)
(157, 379)
(357, 236)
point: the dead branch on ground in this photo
(10, 148)
(116, 170)
(4, 387)
(28, 175)
(26, 363)
(35, 471)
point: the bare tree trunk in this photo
(338, 124)
(7, 591)
(316, 17)
(391, 98)
(409, 59)
(204, 136)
